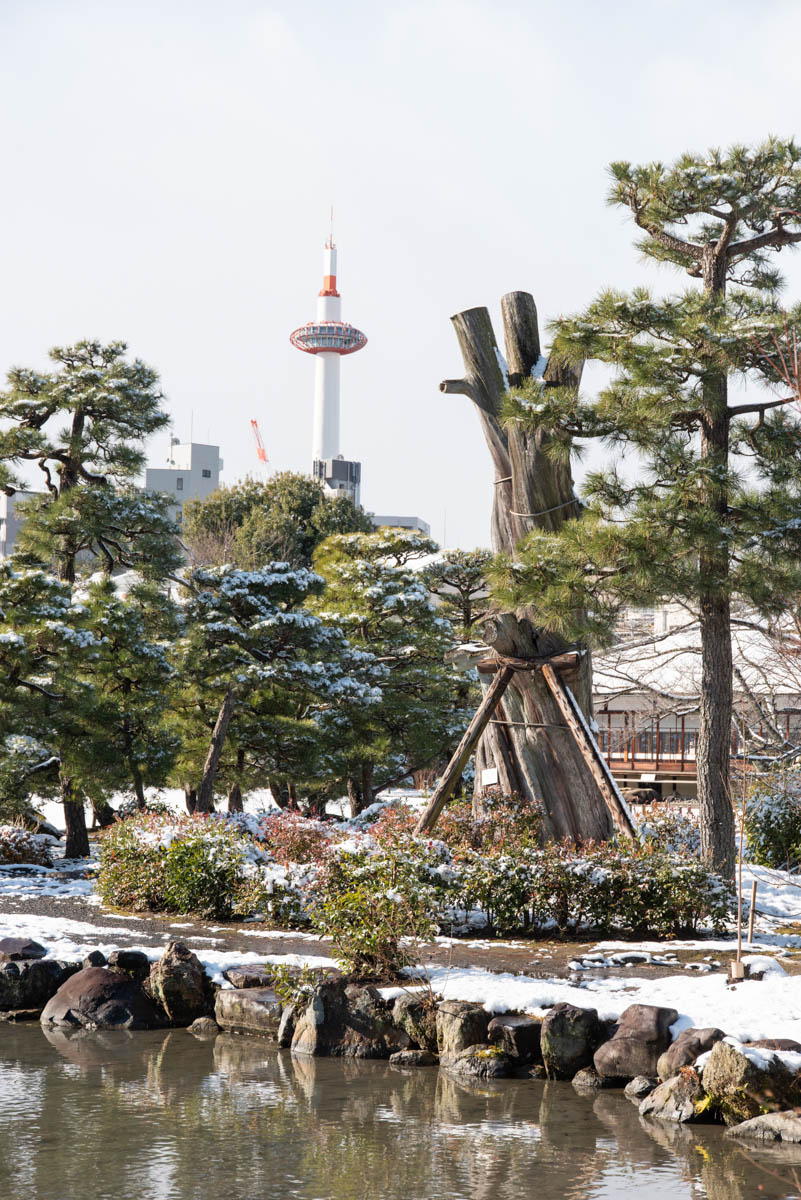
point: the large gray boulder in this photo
(14, 949)
(480, 1061)
(569, 1038)
(460, 1024)
(770, 1127)
(97, 998)
(179, 983)
(681, 1099)
(687, 1047)
(248, 1010)
(742, 1088)
(642, 1035)
(29, 983)
(519, 1037)
(348, 1021)
(417, 1019)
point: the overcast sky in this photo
(168, 169)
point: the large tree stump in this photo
(529, 741)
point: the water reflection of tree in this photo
(125, 1115)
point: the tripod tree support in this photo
(453, 772)
(574, 722)
(574, 717)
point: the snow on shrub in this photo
(292, 838)
(673, 832)
(377, 908)
(773, 820)
(192, 864)
(369, 889)
(19, 846)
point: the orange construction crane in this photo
(260, 451)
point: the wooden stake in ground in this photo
(752, 913)
(453, 771)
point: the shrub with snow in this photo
(293, 838)
(377, 909)
(371, 889)
(673, 832)
(19, 846)
(773, 820)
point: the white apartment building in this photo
(192, 473)
(10, 520)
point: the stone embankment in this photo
(702, 1076)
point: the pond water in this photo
(155, 1116)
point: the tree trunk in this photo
(715, 718)
(360, 789)
(205, 793)
(104, 814)
(279, 790)
(190, 798)
(535, 754)
(139, 786)
(235, 791)
(77, 839)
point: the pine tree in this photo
(84, 691)
(711, 510)
(459, 580)
(253, 523)
(131, 675)
(249, 634)
(43, 640)
(84, 426)
(382, 606)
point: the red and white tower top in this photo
(329, 333)
(329, 338)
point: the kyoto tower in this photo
(329, 338)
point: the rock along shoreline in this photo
(702, 1076)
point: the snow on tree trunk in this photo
(534, 752)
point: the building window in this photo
(206, 473)
(179, 484)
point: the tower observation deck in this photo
(329, 338)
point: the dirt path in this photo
(541, 958)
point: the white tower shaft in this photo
(325, 436)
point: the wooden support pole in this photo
(589, 751)
(454, 769)
(752, 912)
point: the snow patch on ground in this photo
(748, 1011)
(71, 941)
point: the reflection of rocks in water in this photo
(90, 1048)
(240, 1118)
(239, 1057)
(724, 1174)
(618, 1117)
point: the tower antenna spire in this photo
(331, 233)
